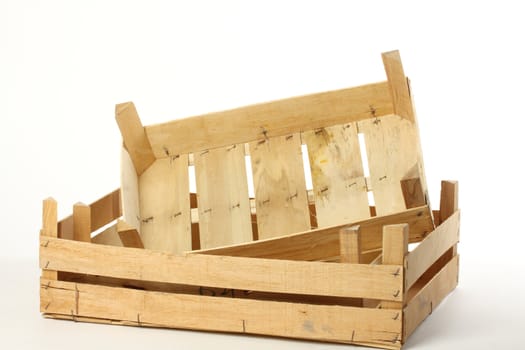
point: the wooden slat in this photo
(430, 296)
(224, 203)
(165, 205)
(431, 248)
(267, 275)
(105, 210)
(65, 228)
(449, 199)
(134, 136)
(143, 308)
(350, 245)
(280, 188)
(129, 191)
(49, 229)
(262, 121)
(128, 235)
(392, 145)
(413, 193)
(320, 244)
(397, 81)
(108, 237)
(337, 175)
(81, 222)
(395, 248)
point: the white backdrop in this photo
(65, 64)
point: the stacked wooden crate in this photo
(323, 263)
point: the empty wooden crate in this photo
(358, 258)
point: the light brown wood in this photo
(431, 248)
(449, 199)
(129, 194)
(266, 120)
(82, 222)
(337, 175)
(143, 308)
(398, 84)
(278, 276)
(108, 237)
(128, 235)
(430, 296)
(165, 205)
(49, 229)
(350, 245)
(392, 145)
(395, 248)
(65, 228)
(413, 193)
(105, 210)
(280, 188)
(321, 244)
(224, 203)
(134, 136)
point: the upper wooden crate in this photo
(156, 195)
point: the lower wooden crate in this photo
(263, 287)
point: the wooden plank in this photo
(280, 188)
(108, 237)
(430, 296)
(449, 199)
(337, 175)
(222, 191)
(143, 308)
(431, 248)
(134, 136)
(266, 275)
(81, 222)
(413, 193)
(105, 210)
(321, 244)
(49, 229)
(392, 145)
(279, 118)
(350, 245)
(395, 248)
(398, 84)
(165, 205)
(129, 193)
(65, 228)
(128, 235)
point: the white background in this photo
(65, 64)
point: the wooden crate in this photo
(322, 264)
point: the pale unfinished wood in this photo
(109, 237)
(65, 228)
(449, 199)
(392, 151)
(413, 193)
(82, 222)
(431, 248)
(280, 188)
(130, 191)
(350, 245)
(165, 205)
(105, 210)
(278, 118)
(143, 308)
(267, 275)
(395, 248)
(430, 296)
(398, 84)
(49, 229)
(134, 136)
(128, 235)
(321, 244)
(337, 175)
(222, 191)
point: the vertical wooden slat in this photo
(134, 136)
(413, 193)
(398, 84)
(82, 222)
(49, 228)
(395, 248)
(280, 189)
(448, 205)
(392, 147)
(129, 194)
(337, 175)
(165, 205)
(350, 245)
(222, 192)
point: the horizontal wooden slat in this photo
(108, 237)
(279, 276)
(105, 210)
(142, 308)
(430, 296)
(321, 244)
(431, 248)
(271, 119)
